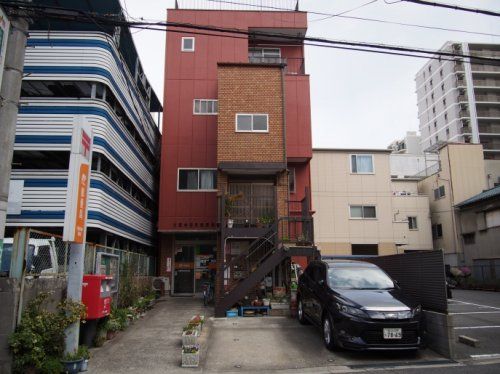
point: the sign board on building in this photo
(78, 182)
(4, 34)
(15, 199)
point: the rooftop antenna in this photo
(176, 5)
(297, 6)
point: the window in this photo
(365, 250)
(362, 164)
(492, 218)
(291, 179)
(430, 68)
(439, 193)
(469, 238)
(435, 124)
(205, 106)
(444, 103)
(252, 123)
(264, 52)
(430, 82)
(446, 117)
(187, 44)
(437, 138)
(437, 231)
(433, 110)
(197, 180)
(447, 133)
(432, 96)
(442, 87)
(412, 223)
(363, 211)
(441, 73)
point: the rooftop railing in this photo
(262, 5)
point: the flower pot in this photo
(230, 223)
(190, 339)
(190, 360)
(85, 365)
(72, 367)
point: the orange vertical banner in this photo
(81, 210)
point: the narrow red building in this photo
(236, 146)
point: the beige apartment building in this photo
(461, 175)
(360, 210)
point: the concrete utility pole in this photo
(9, 106)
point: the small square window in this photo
(244, 122)
(363, 211)
(252, 123)
(205, 106)
(187, 44)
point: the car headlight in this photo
(351, 310)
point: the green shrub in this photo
(39, 339)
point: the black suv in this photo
(358, 307)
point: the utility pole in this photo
(9, 106)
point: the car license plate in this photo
(393, 334)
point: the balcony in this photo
(293, 66)
(465, 130)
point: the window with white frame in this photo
(205, 106)
(187, 44)
(197, 180)
(412, 223)
(363, 211)
(362, 164)
(264, 52)
(252, 122)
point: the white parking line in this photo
(458, 313)
(478, 305)
(492, 355)
(476, 327)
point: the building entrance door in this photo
(184, 270)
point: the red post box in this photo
(96, 295)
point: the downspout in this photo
(283, 105)
(453, 206)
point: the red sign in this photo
(85, 145)
(81, 209)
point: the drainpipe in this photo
(283, 105)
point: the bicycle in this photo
(208, 293)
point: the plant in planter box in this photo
(190, 337)
(265, 220)
(38, 342)
(191, 356)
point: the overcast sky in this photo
(358, 99)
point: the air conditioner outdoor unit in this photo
(161, 282)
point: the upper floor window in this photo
(437, 231)
(362, 164)
(264, 52)
(412, 223)
(252, 122)
(197, 180)
(363, 211)
(439, 193)
(187, 44)
(205, 106)
(291, 179)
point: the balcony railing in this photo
(294, 66)
(263, 5)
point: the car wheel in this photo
(328, 336)
(300, 313)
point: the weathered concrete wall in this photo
(10, 292)
(439, 336)
(9, 295)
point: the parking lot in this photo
(476, 314)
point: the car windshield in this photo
(359, 278)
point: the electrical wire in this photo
(454, 7)
(75, 15)
(367, 19)
(344, 12)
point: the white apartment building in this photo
(460, 102)
(361, 210)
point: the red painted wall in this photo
(191, 140)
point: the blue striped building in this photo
(97, 76)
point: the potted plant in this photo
(229, 202)
(72, 362)
(265, 220)
(83, 350)
(112, 326)
(190, 337)
(190, 356)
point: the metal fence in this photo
(48, 255)
(420, 275)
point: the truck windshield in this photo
(359, 278)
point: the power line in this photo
(454, 7)
(75, 15)
(377, 20)
(344, 12)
